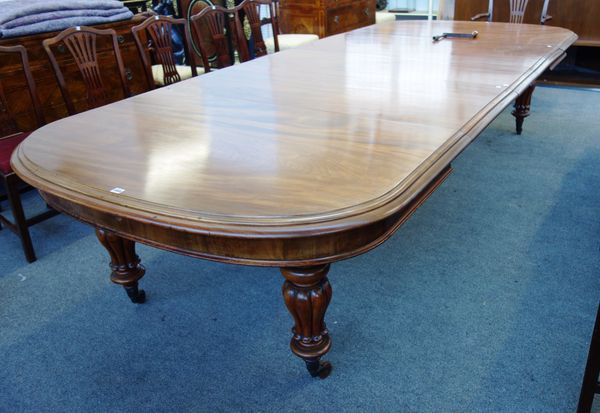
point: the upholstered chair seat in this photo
(384, 17)
(185, 72)
(7, 146)
(289, 41)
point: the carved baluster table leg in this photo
(307, 293)
(124, 263)
(522, 106)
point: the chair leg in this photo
(14, 199)
(590, 385)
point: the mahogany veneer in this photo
(325, 17)
(295, 160)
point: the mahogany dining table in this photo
(294, 160)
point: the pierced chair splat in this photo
(253, 11)
(82, 43)
(221, 30)
(153, 39)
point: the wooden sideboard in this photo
(580, 16)
(325, 17)
(53, 105)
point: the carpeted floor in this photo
(483, 302)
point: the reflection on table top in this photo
(334, 128)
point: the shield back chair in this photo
(220, 29)
(83, 43)
(517, 9)
(253, 10)
(10, 137)
(155, 46)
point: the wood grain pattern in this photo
(325, 17)
(581, 16)
(318, 149)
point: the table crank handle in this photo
(471, 35)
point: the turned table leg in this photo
(307, 293)
(522, 106)
(125, 266)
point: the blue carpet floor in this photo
(484, 301)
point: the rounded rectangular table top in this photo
(348, 127)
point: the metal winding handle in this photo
(471, 35)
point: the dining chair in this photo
(517, 9)
(252, 10)
(10, 137)
(155, 46)
(81, 43)
(219, 35)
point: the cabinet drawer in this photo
(331, 4)
(349, 17)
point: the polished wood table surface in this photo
(294, 160)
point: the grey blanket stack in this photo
(21, 18)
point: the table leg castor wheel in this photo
(136, 295)
(318, 368)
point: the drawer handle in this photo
(120, 39)
(61, 48)
(128, 74)
(367, 12)
(336, 19)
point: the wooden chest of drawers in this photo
(13, 80)
(325, 17)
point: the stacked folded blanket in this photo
(20, 18)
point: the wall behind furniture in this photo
(420, 5)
